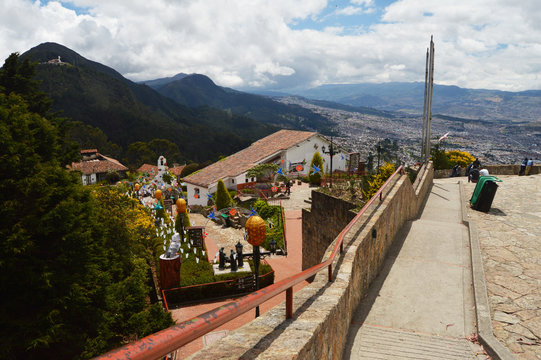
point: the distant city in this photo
(494, 142)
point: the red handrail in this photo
(168, 340)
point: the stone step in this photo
(384, 343)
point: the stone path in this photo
(421, 304)
(510, 239)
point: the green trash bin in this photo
(479, 187)
(226, 219)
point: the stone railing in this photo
(323, 310)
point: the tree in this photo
(439, 158)
(223, 198)
(139, 153)
(315, 177)
(188, 169)
(264, 170)
(17, 77)
(166, 148)
(66, 256)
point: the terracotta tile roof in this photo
(101, 164)
(243, 160)
(89, 151)
(176, 170)
(147, 168)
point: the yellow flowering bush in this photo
(376, 181)
(461, 158)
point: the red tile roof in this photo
(177, 170)
(101, 164)
(89, 151)
(147, 168)
(244, 160)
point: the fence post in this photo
(330, 272)
(289, 303)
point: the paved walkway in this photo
(510, 241)
(421, 304)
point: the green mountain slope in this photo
(127, 112)
(199, 90)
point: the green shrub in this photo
(223, 198)
(315, 178)
(112, 177)
(374, 182)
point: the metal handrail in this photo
(168, 340)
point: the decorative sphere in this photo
(137, 187)
(181, 206)
(256, 229)
(158, 194)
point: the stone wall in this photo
(323, 310)
(492, 170)
(335, 213)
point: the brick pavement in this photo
(510, 240)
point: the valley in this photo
(495, 142)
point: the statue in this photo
(232, 261)
(221, 266)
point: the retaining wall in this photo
(334, 213)
(323, 310)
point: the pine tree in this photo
(223, 198)
(315, 177)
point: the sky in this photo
(286, 44)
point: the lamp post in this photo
(331, 153)
(256, 231)
(239, 247)
(181, 209)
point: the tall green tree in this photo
(223, 198)
(72, 267)
(315, 177)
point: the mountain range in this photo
(196, 90)
(127, 112)
(493, 105)
(206, 120)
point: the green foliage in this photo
(315, 178)
(273, 214)
(185, 223)
(167, 177)
(439, 158)
(112, 177)
(374, 182)
(188, 169)
(73, 264)
(223, 198)
(260, 171)
(90, 137)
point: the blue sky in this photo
(337, 14)
(282, 44)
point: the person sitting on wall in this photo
(456, 170)
(529, 165)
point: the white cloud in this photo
(350, 10)
(241, 43)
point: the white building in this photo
(289, 148)
(94, 166)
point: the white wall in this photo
(306, 150)
(201, 200)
